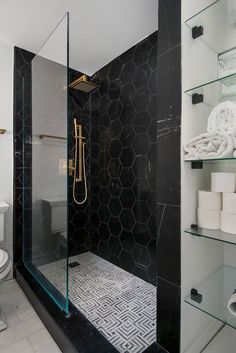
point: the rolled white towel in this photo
(209, 145)
(223, 118)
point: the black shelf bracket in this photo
(197, 98)
(194, 227)
(195, 296)
(197, 31)
(197, 165)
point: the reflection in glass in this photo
(45, 228)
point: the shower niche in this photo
(209, 93)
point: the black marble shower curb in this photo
(74, 334)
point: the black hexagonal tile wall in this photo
(120, 122)
(127, 172)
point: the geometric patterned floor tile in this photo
(120, 305)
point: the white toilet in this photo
(5, 262)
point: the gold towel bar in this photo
(52, 137)
(2, 131)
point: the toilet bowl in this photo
(5, 262)
(5, 265)
(5, 268)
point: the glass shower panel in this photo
(45, 179)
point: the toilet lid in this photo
(4, 260)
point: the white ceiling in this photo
(100, 30)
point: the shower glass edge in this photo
(45, 165)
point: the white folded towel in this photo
(233, 136)
(223, 118)
(209, 145)
(227, 91)
(227, 65)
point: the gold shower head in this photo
(82, 84)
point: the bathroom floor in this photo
(120, 305)
(26, 332)
(224, 342)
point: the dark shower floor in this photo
(120, 305)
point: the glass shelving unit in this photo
(214, 28)
(216, 291)
(219, 35)
(213, 90)
(209, 160)
(217, 235)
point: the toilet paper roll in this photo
(229, 202)
(232, 304)
(223, 182)
(228, 222)
(209, 200)
(209, 219)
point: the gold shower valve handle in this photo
(71, 167)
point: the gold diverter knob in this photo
(71, 167)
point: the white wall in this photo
(99, 30)
(6, 140)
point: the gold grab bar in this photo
(52, 137)
(2, 131)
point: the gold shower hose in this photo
(81, 164)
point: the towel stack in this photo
(210, 212)
(220, 139)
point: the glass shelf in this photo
(216, 291)
(216, 90)
(218, 35)
(217, 235)
(210, 160)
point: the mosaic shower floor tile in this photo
(120, 305)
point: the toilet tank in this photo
(3, 208)
(56, 207)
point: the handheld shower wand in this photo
(80, 160)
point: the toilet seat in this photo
(4, 260)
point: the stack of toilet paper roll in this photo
(211, 214)
(209, 208)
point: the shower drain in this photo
(73, 264)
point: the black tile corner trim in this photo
(74, 334)
(169, 187)
(168, 316)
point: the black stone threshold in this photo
(155, 348)
(74, 334)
